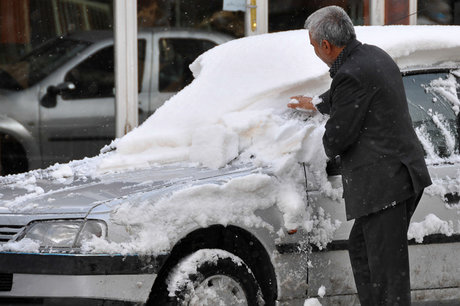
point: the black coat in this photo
(371, 130)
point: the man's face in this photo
(320, 51)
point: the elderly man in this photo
(383, 167)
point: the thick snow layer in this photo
(237, 102)
(235, 109)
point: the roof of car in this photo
(98, 35)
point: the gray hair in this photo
(331, 23)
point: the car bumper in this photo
(60, 279)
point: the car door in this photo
(82, 120)
(433, 98)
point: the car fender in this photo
(11, 127)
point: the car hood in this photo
(37, 192)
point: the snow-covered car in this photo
(58, 101)
(226, 196)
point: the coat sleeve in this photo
(350, 104)
(324, 107)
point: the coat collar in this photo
(352, 44)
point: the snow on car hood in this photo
(236, 106)
(67, 189)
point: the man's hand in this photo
(302, 103)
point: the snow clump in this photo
(431, 225)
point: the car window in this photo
(141, 45)
(433, 106)
(95, 78)
(39, 63)
(176, 54)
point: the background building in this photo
(24, 24)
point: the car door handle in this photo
(452, 198)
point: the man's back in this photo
(371, 130)
(383, 168)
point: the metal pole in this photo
(413, 12)
(377, 12)
(126, 109)
(57, 22)
(256, 19)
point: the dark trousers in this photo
(379, 255)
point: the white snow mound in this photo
(237, 102)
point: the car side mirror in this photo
(49, 99)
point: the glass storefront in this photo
(57, 70)
(198, 14)
(291, 14)
(443, 12)
(25, 24)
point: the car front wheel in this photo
(213, 277)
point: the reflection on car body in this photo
(222, 227)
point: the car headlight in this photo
(64, 233)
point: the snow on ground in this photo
(235, 111)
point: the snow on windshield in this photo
(438, 130)
(447, 88)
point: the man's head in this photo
(330, 29)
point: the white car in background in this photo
(58, 101)
(222, 196)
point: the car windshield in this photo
(431, 98)
(39, 63)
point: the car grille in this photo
(7, 232)
(6, 281)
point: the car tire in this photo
(12, 156)
(213, 277)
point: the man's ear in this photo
(326, 46)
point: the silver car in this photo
(58, 104)
(187, 235)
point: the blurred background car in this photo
(57, 103)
